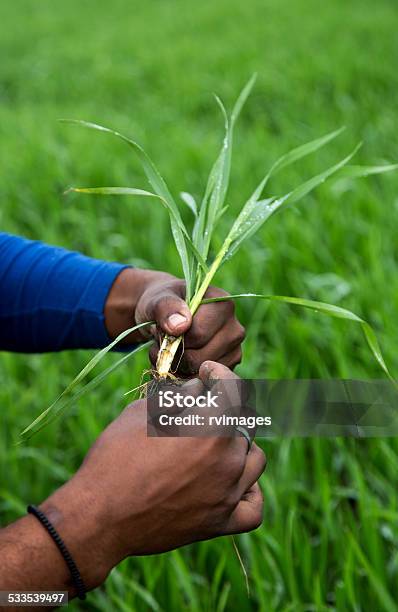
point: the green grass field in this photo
(330, 535)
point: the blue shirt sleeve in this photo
(51, 299)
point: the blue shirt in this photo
(51, 299)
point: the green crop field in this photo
(329, 540)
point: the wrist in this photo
(122, 300)
(80, 520)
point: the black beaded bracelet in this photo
(76, 577)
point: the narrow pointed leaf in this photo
(363, 171)
(189, 200)
(254, 214)
(199, 226)
(198, 232)
(141, 192)
(221, 212)
(117, 191)
(182, 250)
(304, 189)
(240, 102)
(293, 156)
(84, 372)
(299, 152)
(217, 185)
(374, 345)
(159, 186)
(47, 417)
(220, 182)
(324, 308)
(153, 175)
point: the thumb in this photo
(172, 314)
(212, 371)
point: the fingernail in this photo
(208, 367)
(176, 319)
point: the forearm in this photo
(30, 560)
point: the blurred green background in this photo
(329, 538)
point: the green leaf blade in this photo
(324, 308)
(189, 200)
(255, 213)
(299, 192)
(154, 177)
(82, 375)
(299, 152)
(364, 171)
(116, 191)
(242, 98)
(218, 182)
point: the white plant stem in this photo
(170, 344)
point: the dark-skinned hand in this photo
(144, 295)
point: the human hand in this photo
(144, 295)
(139, 495)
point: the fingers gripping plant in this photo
(193, 247)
